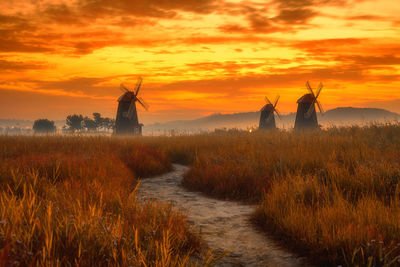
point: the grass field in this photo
(333, 195)
(71, 201)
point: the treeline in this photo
(76, 123)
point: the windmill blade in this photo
(276, 101)
(267, 100)
(144, 104)
(277, 113)
(320, 107)
(138, 84)
(319, 90)
(123, 88)
(309, 88)
(132, 109)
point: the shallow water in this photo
(224, 225)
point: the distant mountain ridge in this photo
(339, 116)
(369, 114)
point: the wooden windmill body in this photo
(267, 116)
(306, 116)
(127, 122)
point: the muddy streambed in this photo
(224, 225)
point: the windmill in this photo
(306, 117)
(127, 122)
(267, 117)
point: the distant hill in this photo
(359, 115)
(339, 116)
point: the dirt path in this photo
(224, 225)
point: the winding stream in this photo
(224, 225)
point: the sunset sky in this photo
(196, 57)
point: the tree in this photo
(89, 124)
(98, 119)
(78, 122)
(105, 123)
(74, 122)
(44, 126)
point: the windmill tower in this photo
(127, 122)
(306, 117)
(267, 117)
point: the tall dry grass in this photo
(333, 193)
(71, 201)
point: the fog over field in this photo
(343, 116)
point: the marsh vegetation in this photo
(331, 195)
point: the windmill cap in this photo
(267, 107)
(126, 97)
(308, 98)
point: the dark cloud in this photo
(12, 44)
(149, 8)
(13, 33)
(131, 22)
(292, 13)
(233, 28)
(11, 20)
(126, 11)
(301, 11)
(295, 16)
(295, 4)
(38, 36)
(366, 17)
(257, 22)
(13, 25)
(63, 14)
(6, 65)
(259, 19)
